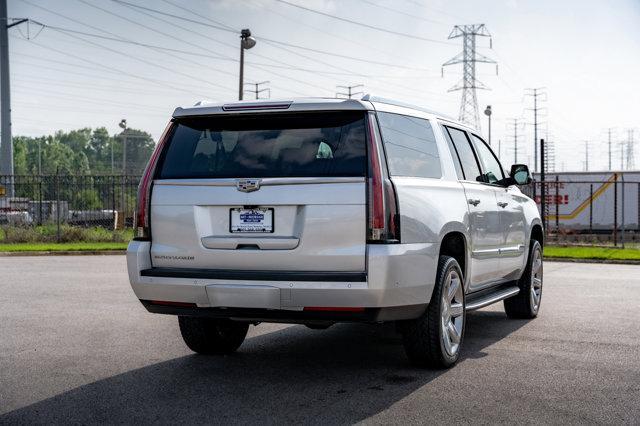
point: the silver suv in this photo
(318, 211)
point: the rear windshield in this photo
(269, 145)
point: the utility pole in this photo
(349, 91)
(535, 92)
(609, 144)
(515, 125)
(6, 141)
(468, 58)
(258, 90)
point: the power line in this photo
(117, 37)
(271, 41)
(193, 21)
(116, 70)
(93, 69)
(297, 46)
(151, 63)
(362, 24)
(399, 12)
(337, 36)
(217, 41)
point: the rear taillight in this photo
(142, 220)
(382, 210)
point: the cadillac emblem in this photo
(248, 185)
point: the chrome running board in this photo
(490, 298)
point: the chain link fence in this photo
(589, 209)
(54, 204)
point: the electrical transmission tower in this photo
(513, 128)
(630, 156)
(468, 58)
(549, 154)
(349, 91)
(586, 156)
(536, 93)
(257, 90)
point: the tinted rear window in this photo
(269, 145)
(410, 145)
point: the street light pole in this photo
(487, 112)
(246, 42)
(123, 126)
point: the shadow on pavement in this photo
(344, 374)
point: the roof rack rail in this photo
(371, 98)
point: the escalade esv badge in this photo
(248, 185)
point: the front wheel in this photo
(434, 339)
(211, 336)
(526, 304)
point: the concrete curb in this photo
(63, 253)
(609, 261)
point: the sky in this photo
(99, 61)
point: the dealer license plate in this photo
(257, 220)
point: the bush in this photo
(68, 234)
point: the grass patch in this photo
(592, 253)
(86, 246)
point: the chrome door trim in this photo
(512, 250)
(485, 253)
(263, 181)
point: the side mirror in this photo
(520, 174)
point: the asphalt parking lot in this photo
(77, 347)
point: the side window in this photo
(465, 153)
(410, 146)
(454, 154)
(490, 164)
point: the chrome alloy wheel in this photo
(536, 279)
(451, 313)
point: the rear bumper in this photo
(290, 316)
(397, 285)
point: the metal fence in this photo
(577, 209)
(82, 201)
(581, 211)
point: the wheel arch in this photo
(454, 244)
(537, 234)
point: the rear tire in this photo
(526, 304)
(434, 339)
(211, 336)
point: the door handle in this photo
(503, 205)
(474, 202)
